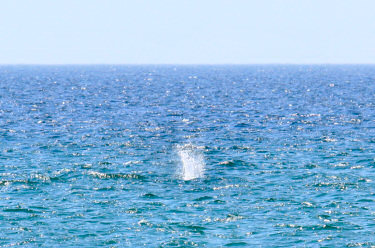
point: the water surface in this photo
(185, 156)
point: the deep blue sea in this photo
(187, 156)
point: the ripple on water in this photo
(273, 156)
(102, 175)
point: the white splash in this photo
(192, 161)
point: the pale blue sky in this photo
(187, 31)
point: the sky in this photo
(187, 31)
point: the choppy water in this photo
(184, 156)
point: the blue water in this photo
(187, 156)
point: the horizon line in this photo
(173, 64)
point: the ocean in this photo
(187, 156)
